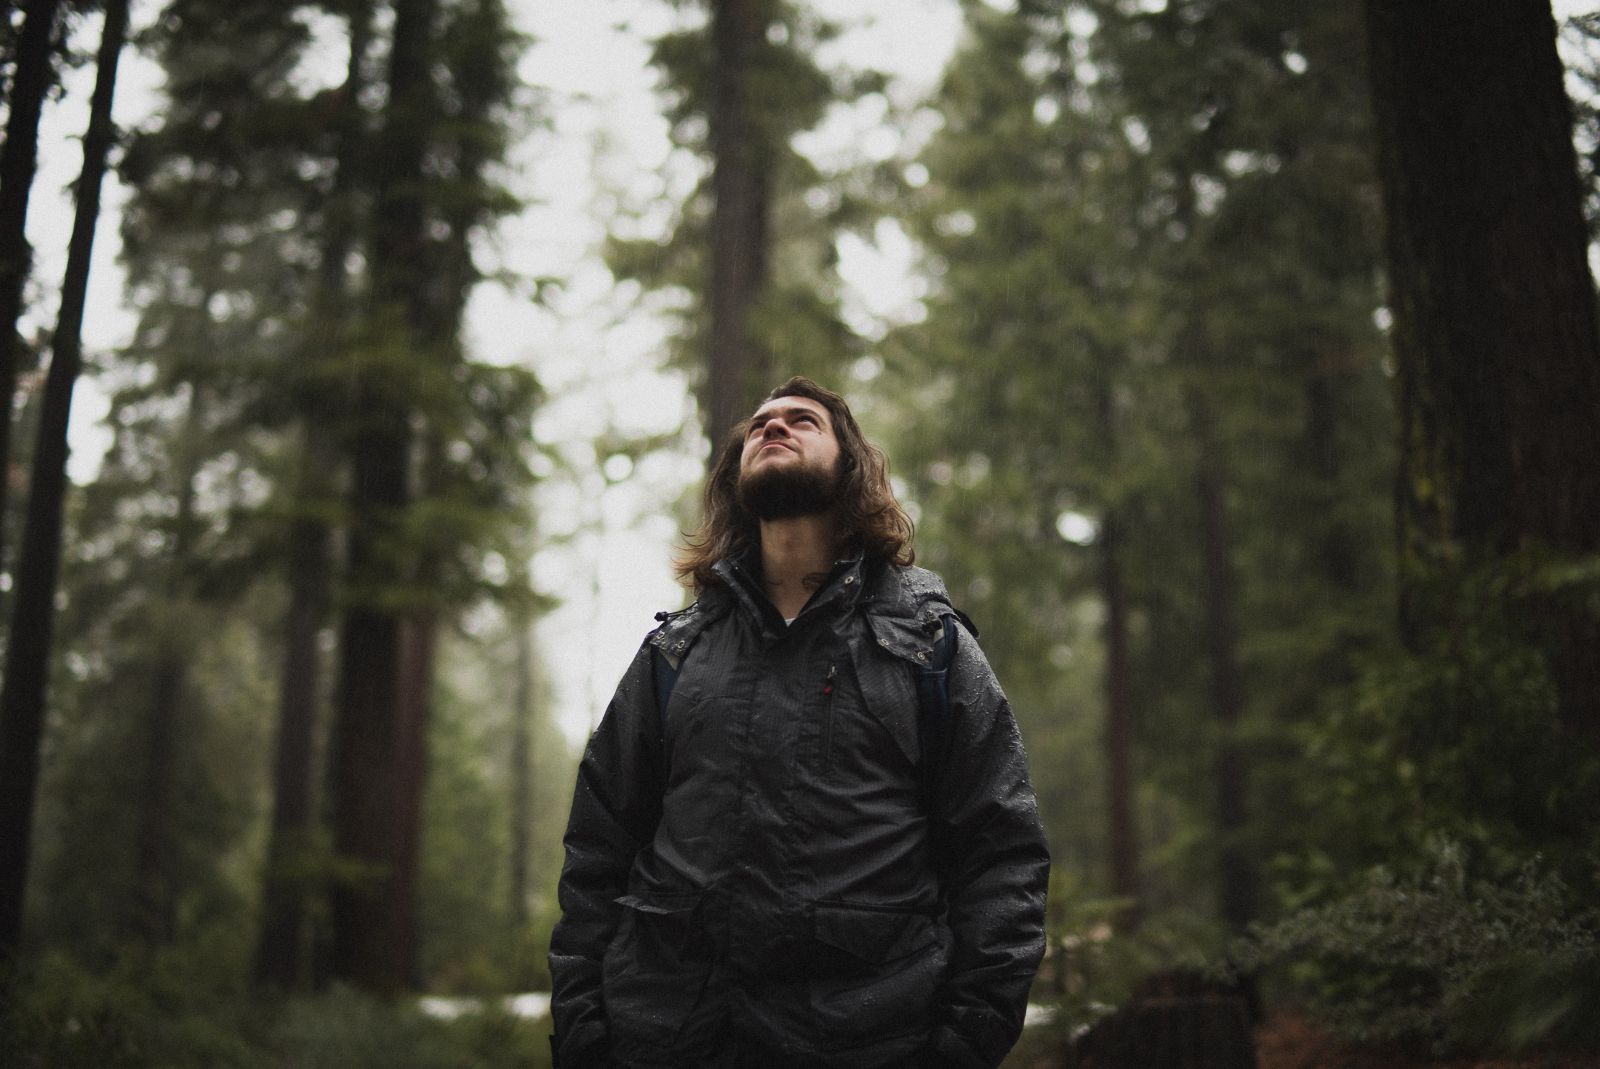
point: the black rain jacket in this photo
(781, 870)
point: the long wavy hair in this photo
(868, 514)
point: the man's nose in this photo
(775, 427)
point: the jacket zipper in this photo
(827, 717)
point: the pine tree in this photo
(1498, 369)
(297, 852)
(32, 74)
(434, 456)
(1495, 334)
(757, 260)
(1139, 321)
(28, 651)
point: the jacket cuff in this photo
(975, 1037)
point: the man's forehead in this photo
(786, 405)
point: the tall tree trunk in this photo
(1119, 724)
(419, 643)
(19, 158)
(363, 791)
(737, 369)
(370, 948)
(1338, 549)
(1237, 884)
(152, 915)
(1494, 312)
(22, 697)
(1119, 695)
(284, 953)
(521, 772)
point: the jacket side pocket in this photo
(654, 970)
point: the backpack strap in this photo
(933, 707)
(671, 642)
(665, 666)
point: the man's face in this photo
(790, 462)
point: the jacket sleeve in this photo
(995, 865)
(615, 808)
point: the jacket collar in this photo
(904, 606)
(741, 578)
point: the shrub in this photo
(1441, 963)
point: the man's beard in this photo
(779, 492)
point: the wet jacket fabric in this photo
(780, 870)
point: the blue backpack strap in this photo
(665, 670)
(669, 644)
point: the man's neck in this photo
(794, 552)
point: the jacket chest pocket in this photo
(867, 720)
(887, 699)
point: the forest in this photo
(1238, 362)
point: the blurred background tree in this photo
(1151, 398)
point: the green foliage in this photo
(348, 1030)
(94, 769)
(1149, 239)
(177, 1006)
(184, 1008)
(474, 940)
(1460, 736)
(796, 315)
(1446, 962)
(1091, 967)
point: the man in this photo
(803, 833)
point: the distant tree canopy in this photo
(1162, 409)
(751, 250)
(1247, 405)
(300, 439)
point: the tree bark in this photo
(420, 637)
(284, 953)
(1494, 310)
(1237, 876)
(284, 950)
(23, 695)
(19, 159)
(1124, 828)
(152, 915)
(737, 368)
(371, 944)
(1338, 548)
(521, 772)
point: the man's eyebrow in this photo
(788, 413)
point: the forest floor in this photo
(1289, 1040)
